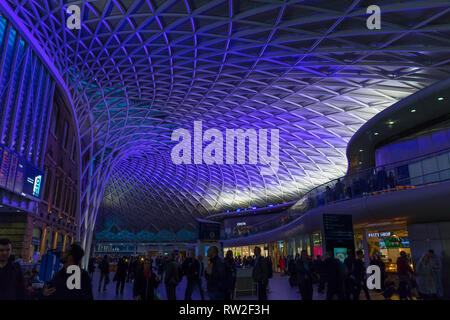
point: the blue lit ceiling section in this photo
(140, 69)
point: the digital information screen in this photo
(18, 175)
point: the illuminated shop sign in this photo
(379, 234)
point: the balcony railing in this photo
(393, 177)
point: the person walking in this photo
(12, 284)
(57, 288)
(145, 282)
(260, 274)
(172, 277)
(304, 271)
(121, 275)
(215, 275)
(104, 273)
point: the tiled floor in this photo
(279, 290)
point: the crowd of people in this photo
(355, 186)
(341, 280)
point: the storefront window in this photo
(388, 245)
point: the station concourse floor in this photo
(279, 290)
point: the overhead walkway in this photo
(367, 196)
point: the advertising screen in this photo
(340, 254)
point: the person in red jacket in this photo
(282, 263)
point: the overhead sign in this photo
(338, 227)
(208, 231)
(18, 175)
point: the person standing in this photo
(436, 266)
(145, 282)
(121, 275)
(291, 271)
(260, 274)
(230, 270)
(349, 278)
(377, 261)
(426, 280)
(57, 288)
(91, 267)
(191, 269)
(104, 273)
(359, 274)
(215, 275)
(304, 270)
(172, 277)
(333, 276)
(12, 284)
(319, 270)
(404, 280)
(282, 263)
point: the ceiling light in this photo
(376, 133)
(390, 123)
(361, 150)
(440, 98)
(413, 110)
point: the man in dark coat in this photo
(191, 269)
(57, 288)
(319, 270)
(333, 276)
(260, 274)
(121, 275)
(215, 275)
(172, 277)
(304, 271)
(359, 271)
(12, 285)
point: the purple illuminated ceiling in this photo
(140, 69)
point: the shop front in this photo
(387, 240)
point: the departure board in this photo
(18, 175)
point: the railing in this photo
(402, 175)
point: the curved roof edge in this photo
(394, 121)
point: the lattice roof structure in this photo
(139, 69)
